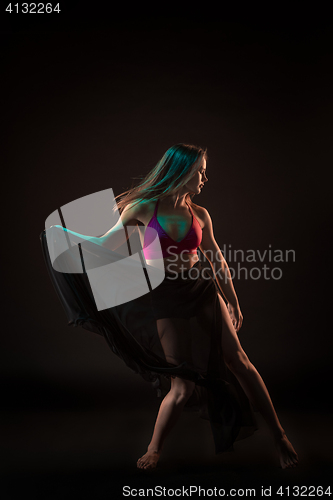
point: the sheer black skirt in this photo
(175, 330)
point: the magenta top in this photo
(189, 244)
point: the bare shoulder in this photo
(208, 239)
(202, 214)
(138, 212)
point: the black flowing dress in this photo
(172, 330)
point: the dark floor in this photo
(53, 454)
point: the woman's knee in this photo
(238, 362)
(182, 389)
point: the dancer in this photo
(182, 335)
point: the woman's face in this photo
(197, 181)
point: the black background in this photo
(93, 98)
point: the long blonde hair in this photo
(172, 172)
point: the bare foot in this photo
(287, 455)
(149, 460)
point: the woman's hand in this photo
(236, 316)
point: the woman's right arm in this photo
(117, 235)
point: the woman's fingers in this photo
(237, 322)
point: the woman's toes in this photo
(148, 461)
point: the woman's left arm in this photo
(212, 252)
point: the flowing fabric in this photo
(173, 330)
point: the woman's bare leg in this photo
(168, 414)
(255, 388)
(176, 348)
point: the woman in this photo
(181, 335)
